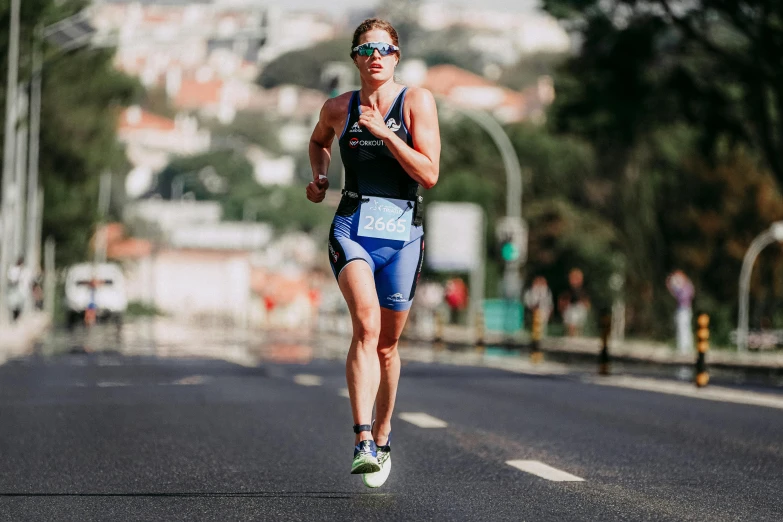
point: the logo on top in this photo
(393, 125)
(355, 142)
(356, 128)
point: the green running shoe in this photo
(378, 479)
(365, 458)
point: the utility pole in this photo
(50, 278)
(20, 174)
(512, 225)
(32, 252)
(104, 198)
(8, 156)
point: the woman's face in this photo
(376, 67)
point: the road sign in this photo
(454, 236)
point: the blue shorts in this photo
(396, 264)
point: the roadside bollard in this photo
(480, 341)
(535, 338)
(702, 345)
(605, 324)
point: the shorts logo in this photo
(397, 298)
(353, 142)
(355, 128)
(332, 252)
(393, 125)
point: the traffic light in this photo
(512, 239)
(509, 251)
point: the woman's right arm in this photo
(320, 150)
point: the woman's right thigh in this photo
(357, 284)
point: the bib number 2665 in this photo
(385, 218)
(392, 225)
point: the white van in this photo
(100, 285)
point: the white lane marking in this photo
(111, 384)
(422, 420)
(542, 470)
(343, 392)
(305, 379)
(191, 380)
(710, 393)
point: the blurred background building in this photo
(231, 90)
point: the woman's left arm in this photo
(422, 161)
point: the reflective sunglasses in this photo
(366, 49)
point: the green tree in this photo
(250, 127)
(721, 59)
(447, 46)
(81, 96)
(668, 98)
(194, 172)
(564, 236)
(529, 68)
(304, 67)
(284, 207)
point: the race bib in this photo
(386, 218)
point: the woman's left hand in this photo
(372, 120)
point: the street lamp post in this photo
(766, 238)
(32, 253)
(509, 156)
(9, 147)
(513, 219)
(68, 34)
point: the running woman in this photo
(390, 145)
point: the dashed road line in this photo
(343, 392)
(109, 362)
(111, 384)
(542, 470)
(422, 420)
(191, 380)
(305, 379)
(711, 393)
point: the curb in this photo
(630, 351)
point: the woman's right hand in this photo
(316, 190)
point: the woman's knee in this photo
(367, 328)
(387, 345)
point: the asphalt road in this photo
(171, 434)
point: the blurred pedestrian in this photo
(681, 288)
(378, 223)
(456, 296)
(38, 293)
(538, 298)
(19, 285)
(574, 303)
